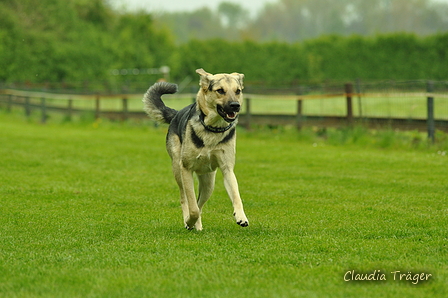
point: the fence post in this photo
(125, 108)
(299, 114)
(44, 110)
(69, 109)
(27, 107)
(358, 90)
(430, 107)
(97, 107)
(9, 106)
(348, 94)
(248, 120)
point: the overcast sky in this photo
(253, 6)
(186, 5)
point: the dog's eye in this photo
(221, 91)
(238, 91)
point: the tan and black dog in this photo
(201, 138)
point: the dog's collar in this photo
(212, 128)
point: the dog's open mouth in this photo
(227, 114)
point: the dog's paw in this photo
(192, 221)
(241, 219)
(196, 226)
(243, 223)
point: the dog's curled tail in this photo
(153, 104)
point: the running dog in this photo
(201, 138)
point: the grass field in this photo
(92, 211)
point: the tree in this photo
(75, 40)
(296, 20)
(199, 24)
(234, 14)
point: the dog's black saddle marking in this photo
(179, 123)
(197, 141)
(228, 137)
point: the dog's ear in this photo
(206, 78)
(239, 77)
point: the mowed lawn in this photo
(93, 211)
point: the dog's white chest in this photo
(204, 155)
(205, 161)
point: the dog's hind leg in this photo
(183, 197)
(206, 186)
(188, 188)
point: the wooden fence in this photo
(40, 101)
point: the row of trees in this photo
(83, 40)
(392, 56)
(298, 20)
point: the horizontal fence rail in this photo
(357, 106)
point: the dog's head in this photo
(220, 95)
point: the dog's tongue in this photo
(231, 115)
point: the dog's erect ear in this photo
(239, 77)
(206, 78)
(203, 72)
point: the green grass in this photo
(91, 210)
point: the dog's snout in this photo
(235, 106)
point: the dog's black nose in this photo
(235, 106)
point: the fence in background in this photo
(421, 105)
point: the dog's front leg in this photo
(231, 186)
(188, 188)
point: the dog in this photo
(201, 138)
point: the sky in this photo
(253, 6)
(154, 6)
